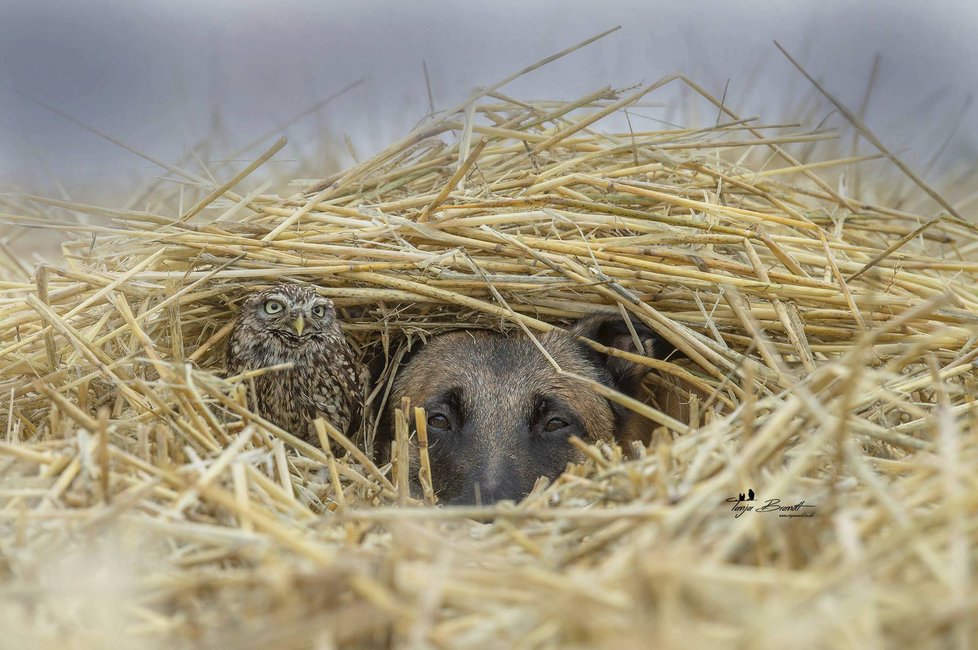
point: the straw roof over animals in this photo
(828, 344)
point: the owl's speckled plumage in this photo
(293, 323)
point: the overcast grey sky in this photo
(155, 73)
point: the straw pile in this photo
(830, 360)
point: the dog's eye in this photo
(438, 421)
(273, 306)
(319, 311)
(554, 424)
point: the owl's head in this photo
(291, 311)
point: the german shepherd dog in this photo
(500, 415)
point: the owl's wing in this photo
(360, 390)
(341, 394)
(234, 364)
(354, 398)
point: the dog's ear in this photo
(401, 353)
(613, 332)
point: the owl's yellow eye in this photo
(273, 307)
(319, 311)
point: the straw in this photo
(827, 350)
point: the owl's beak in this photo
(299, 324)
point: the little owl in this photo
(292, 323)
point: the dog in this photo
(500, 415)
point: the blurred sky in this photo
(156, 74)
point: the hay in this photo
(830, 341)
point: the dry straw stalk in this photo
(829, 341)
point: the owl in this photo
(293, 324)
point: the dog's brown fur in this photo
(498, 396)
